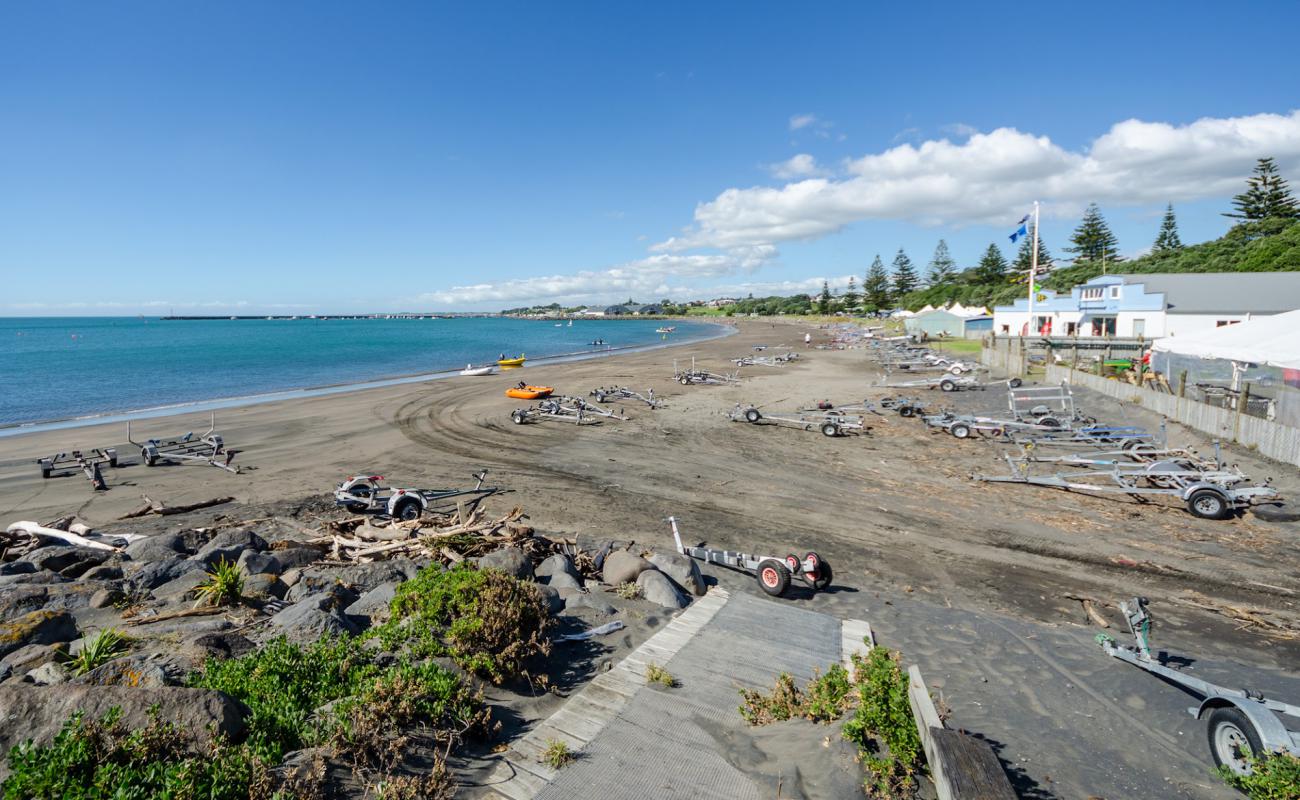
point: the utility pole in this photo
(1033, 271)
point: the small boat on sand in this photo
(511, 362)
(527, 392)
(470, 369)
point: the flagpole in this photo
(1033, 269)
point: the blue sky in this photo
(333, 157)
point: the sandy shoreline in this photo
(917, 546)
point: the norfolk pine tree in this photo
(904, 274)
(942, 267)
(1093, 240)
(1266, 196)
(824, 300)
(1167, 241)
(1023, 263)
(875, 286)
(850, 296)
(992, 268)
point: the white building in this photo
(1152, 305)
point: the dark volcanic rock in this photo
(162, 547)
(510, 560)
(37, 627)
(657, 588)
(684, 570)
(38, 713)
(16, 601)
(622, 567)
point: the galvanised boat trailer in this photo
(623, 393)
(773, 573)
(829, 422)
(207, 448)
(1242, 725)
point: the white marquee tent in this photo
(1272, 341)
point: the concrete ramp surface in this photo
(639, 741)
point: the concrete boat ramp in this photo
(638, 741)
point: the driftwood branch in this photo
(162, 509)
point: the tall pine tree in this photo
(1092, 240)
(992, 268)
(1167, 240)
(875, 286)
(850, 296)
(824, 300)
(942, 267)
(904, 274)
(1266, 196)
(1023, 261)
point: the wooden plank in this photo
(972, 769)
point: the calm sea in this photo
(65, 368)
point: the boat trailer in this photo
(699, 376)
(773, 573)
(779, 360)
(1242, 725)
(905, 406)
(208, 448)
(367, 493)
(829, 422)
(1212, 494)
(623, 393)
(88, 462)
(948, 383)
(563, 409)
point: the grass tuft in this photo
(105, 646)
(657, 674)
(557, 754)
(628, 591)
(224, 586)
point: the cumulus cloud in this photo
(800, 121)
(653, 276)
(798, 166)
(991, 176)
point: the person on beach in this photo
(807, 340)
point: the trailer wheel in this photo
(906, 411)
(408, 508)
(362, 492)
(830, 429)
(819, 578)
(948, 385)
(149, 460)
(600, 398)
(960, 430)
(1233, 739)
(1208, 504)
(517, 417)
(684, 381)
(1049, 422)
(1015, 383)
(792, 563)
(773, 577)
(752, 415)
(45, 472)
(112, 461)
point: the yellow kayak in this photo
(511, 362)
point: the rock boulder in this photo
(622, 567)
(684, 571)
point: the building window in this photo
(1223, 322)
(1092, 293)
(1071, 328)
(1006, 329)
(1114, 293)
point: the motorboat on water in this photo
(470, 369)
(665, 329)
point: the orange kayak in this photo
(529, 392)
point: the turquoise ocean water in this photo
(69, 368)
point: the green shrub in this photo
(1273, 777)
(824, 699)
(884, 715)
(102, 760)
(827, 696)
(105, 646)
(655, 673)
(488, 622)
(782, 703)
(224, 586)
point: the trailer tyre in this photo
(1208, 504)
(407, 508)
(1049, 422)
(773, 577)
(600, 398)
(1233, 739)
(684, 381)
(361, 492)
(819, 578)
(948, 385)
(517, 417)
(961, 430)
(830, 429)
(148, 459)
(752, 415)
(1015, 383)
(906, 411)
(45, 473)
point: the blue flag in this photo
(1023, 220)
(1022, 232)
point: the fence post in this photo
(1182, 384)
(1242, 400)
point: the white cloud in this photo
(798, 166)
(653, 276)
(799, 121)
(960, 130)
(992, 176)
